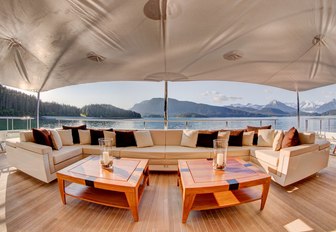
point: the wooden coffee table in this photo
(204, 188)
(123, 187)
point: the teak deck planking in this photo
(31, 205)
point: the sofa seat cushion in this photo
(12, 142)
(238, 151)
(65, 153)
(155, 152)
(269, 156)
(179, 152)
(253, 149)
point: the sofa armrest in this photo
(35, 147)
(298, 150)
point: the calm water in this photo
(283, 123)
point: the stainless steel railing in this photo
(9, 123)
(321, 124)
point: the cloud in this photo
(218, 97)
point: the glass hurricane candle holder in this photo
(105, 146)
(220, 147)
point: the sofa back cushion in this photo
(255, 129)
(307, 137)
(74, 131)
(143, 138)
(158, 137)
(291, 138)
(26, 136)
(173, 137)
(265, 137)
(125, 139)
(205, 138)
(42, 136)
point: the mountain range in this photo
(176, 108)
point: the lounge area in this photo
(31, 205)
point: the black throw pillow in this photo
(42, 136)
(74, 131)
(125, 139)
(205, 138)
(95, 135)
(236, 138)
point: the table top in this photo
(125, 172)
(199, 173)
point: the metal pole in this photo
(38, 110)
(165, 107)
(298, 108)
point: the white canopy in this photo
(46, 44)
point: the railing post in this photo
(7, 124)
(328, 124)
(260, 122)
(12, 123)
(306, 125)
(320, 126)
(144, 124)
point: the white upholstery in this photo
(269, 156)
(66, 153)
(179, 152)
(143, 139)
(285, 166)
(155, 152)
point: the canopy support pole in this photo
(298, 108)
(165, 106)
(38, 110)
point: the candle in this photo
(106, 157)
(220, 159)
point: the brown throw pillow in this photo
(255, 129)
(125, 139)
(95, 135)
(205, 138)
(236, 138)
(42, 136)
(291, 138)
(74, 131)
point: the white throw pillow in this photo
(279, 135)
(248, 138)
(56, 139)
(223, 135)
(265, 137)
(110, 135)
(84, 137)
(143, 139)
(189, 138)
(66, 137)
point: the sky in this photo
(126, 94)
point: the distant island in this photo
(15, 103)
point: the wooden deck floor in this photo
(27, 204)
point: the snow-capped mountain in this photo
(280, 106)
(327, 106)
(306, 106)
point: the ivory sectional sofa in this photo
(285, 166)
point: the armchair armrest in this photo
(298, 150)
(34, 147)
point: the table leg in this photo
(146, 173)
(188, 201)
(61, 189)
(133, 202)
(265, 190)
